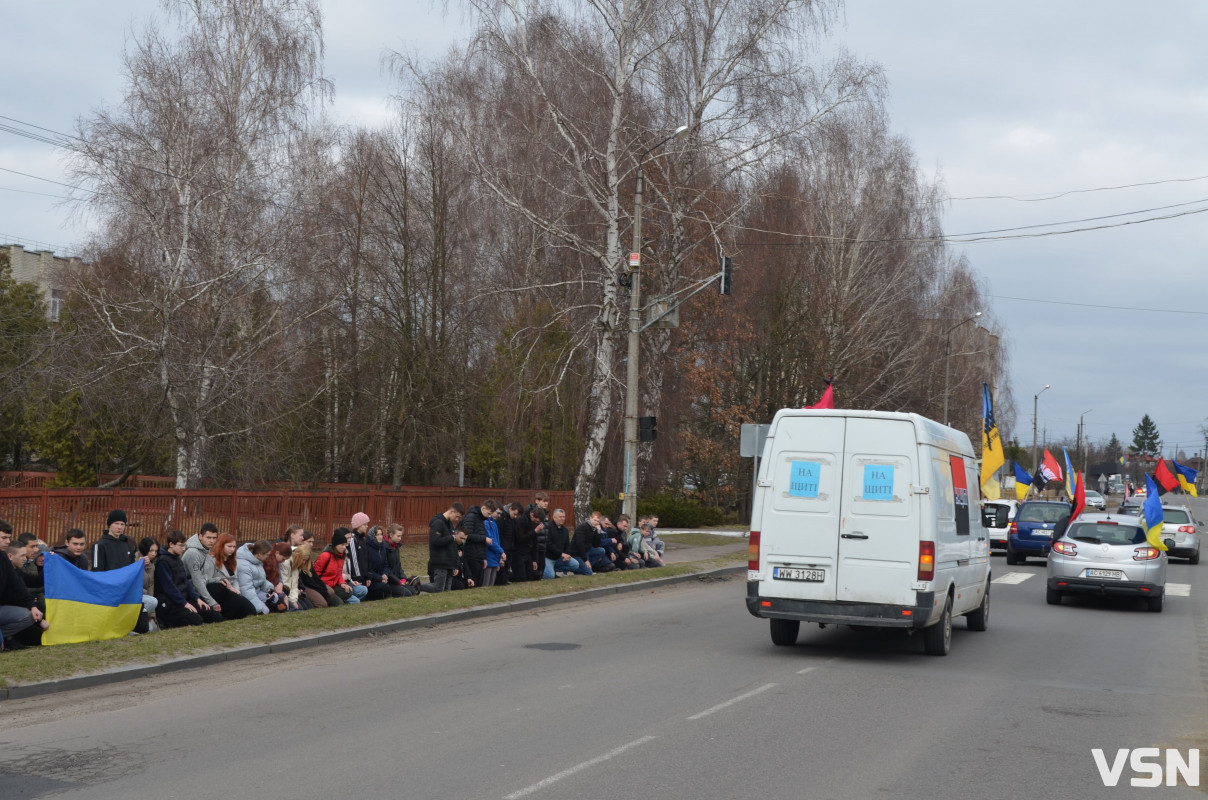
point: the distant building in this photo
(39, 267)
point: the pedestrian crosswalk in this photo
(1015, 578)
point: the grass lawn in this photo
(48, 663)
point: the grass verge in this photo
(699, 539)
(50, 663)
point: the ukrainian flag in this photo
(1023, 482)
(1186, 476)
(1151, 514)
(992, 454)
(1069, 475)
(90, 606)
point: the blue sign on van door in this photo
(878, 481)
(804, 479)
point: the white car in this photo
(1095, 500)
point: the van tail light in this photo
(1186, 529)
(926, 561)
(753, 552)
(1065, 548)
(1014, 528)
(1146, 553)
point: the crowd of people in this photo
(209, 577)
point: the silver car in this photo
(1095, 500)
(1104, 554)
(1177, 522)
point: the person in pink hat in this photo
(356, 566)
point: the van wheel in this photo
(937, 640)
(784, 632)
(1052, 597)
(980, 618)
(1012, 559)
(1155, 604)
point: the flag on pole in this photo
(992, 455)
(828, 397)
(992, 489)
(1069, 475)
(90, 606)
(1164, 478)
(1151, 515)
(1186, 476)
(1050, 470)
(1079, 495)
(1023, 482)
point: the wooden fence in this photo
(248, 515)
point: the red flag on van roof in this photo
(828, 397)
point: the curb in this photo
(121, 674)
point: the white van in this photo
(868, 518)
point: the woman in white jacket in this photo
(249, 570)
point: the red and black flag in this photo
(1164, 478)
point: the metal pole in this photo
(1035, 463)
(630, 505)
(947, 359)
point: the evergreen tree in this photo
(1145, 439)
(1114, 449)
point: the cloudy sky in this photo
(1028, 112)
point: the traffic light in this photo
(727, 275)
(648, 429)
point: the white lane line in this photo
(1178, 589)
(566, 773)
(732, 701)
(1013, 577)
(807, 669)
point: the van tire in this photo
(937, 640)
(1155, 604)
(1052, 597)
(784, 632)
(979, 618)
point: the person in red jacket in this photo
(329, 568)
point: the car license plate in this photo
(798, 574)
(1044, 533)
(1110, 574)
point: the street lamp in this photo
(948, 356)
(1035, 400)
(1081, 446)
(630, 505)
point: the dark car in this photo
(1037, 523)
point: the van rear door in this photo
(879, 529)
(801, 480)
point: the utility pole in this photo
(1035, 403)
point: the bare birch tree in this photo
(190, 178)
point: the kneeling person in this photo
(179, 603)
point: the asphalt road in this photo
(676, 693)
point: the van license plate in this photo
(1104, 573)
(798, 574)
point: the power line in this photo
(1094, 305)
(1042, 196)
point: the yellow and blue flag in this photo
(1151, 514)
(1023, 482)
(992, 454)
(1186, 476)
(1069, 475)
(90, 606)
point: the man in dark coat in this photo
(17, 609)
(475, 548)
(75, 549)
(443, 541)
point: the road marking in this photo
(566, 773)
(732, 701)
(1013, 577)
(1178, 589)
(807, 669)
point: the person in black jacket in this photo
(443, 541)
(18, 612)
(585, 545)
(74, 549)
(179, 603)
(113, 550)
(509, 532)
(557, 549)
(379, 566)
(358, 560)
(532, 543)
(391, 548)
(475, 549)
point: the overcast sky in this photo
(1026, 99)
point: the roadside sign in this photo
(635, 260)
(751, 439)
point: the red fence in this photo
(248, 515)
